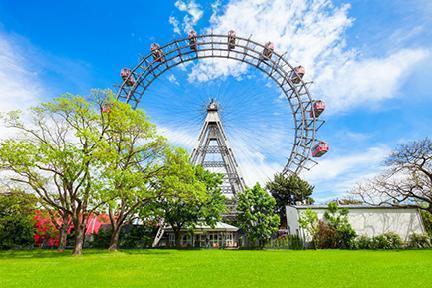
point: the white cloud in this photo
(173, 79)
(177, 136)
(312, 34)
(367, 81)
(19, 86)
(174, 22)
(194, 14)
(336, 175)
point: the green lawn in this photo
(217, 268)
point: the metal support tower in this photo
(213, 152)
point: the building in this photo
(222, 235)
(365, 220)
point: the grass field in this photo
(217, 268)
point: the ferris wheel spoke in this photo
(136, 86)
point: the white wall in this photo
(370, 221)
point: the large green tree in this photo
(188, 194)
(257, 216)
(17, 212)
(54, 155)
(289, 191)
(132, 159)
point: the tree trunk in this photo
(63, 237)
(177, 235)
(115, 236)
(79, 238)
(283, 219)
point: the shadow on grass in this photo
(34, 253)
(48, 253)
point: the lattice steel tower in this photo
(213, 152)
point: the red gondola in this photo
(320, 149)
(106, 109)
(192, 36)
(231, 39)
(317, 108)
(268, 50)
(125, 73)
(158, 55)
(297, 74)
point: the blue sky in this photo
(371, 61)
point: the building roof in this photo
(349, 207)
(220, 226)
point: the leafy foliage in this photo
(288, 191)
(309, 221)
(387, 240)
(131, 158)
(337, 219)
(327, 236)
(427, 221)
(55, 157)
(293, 242)
(17, 211)
(419, 241)
(362, 242)
(257, 217)
(188, 194)
(46, 234)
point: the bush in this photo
(387, 240)
(17, 212)
(362, 242)
(136, 236)
(326, 237)
(427, 221)
(286, 242)
(337, 219)
(102, 238)
(419, 241)
(131, 237)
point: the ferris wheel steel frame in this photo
(276, 67)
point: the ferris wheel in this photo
(305, 110)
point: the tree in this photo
(337, 219)
(17, 211)
(427, 221)
(55, 157)
(289, 191)
(348, 201)
(309, 221)
(407, 181)
(131, 160)
(211, 206)
(257, 217)
(188, 194)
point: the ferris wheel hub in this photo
(213, 106)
